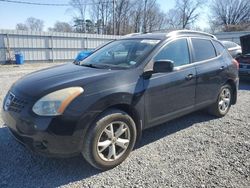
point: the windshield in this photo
(120, 54)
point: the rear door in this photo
(210, 70)
(170, 94)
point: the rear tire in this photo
(223, 102)
(109, 140)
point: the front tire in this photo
(109, 140)
(223, 103)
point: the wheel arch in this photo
(123, 102)
(133, 113)
(234, 89)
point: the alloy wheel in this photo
(113, 141)
(224, 100)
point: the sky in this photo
(11, 13)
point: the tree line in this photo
(121, 17)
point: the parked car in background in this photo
(233, 48)
(82, 55)
(85, 53)
(244, 59)
(100, 106)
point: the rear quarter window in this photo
(218, 47)
(203, 49)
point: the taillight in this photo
(236, 63)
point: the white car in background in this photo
(233, 48)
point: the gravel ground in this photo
(196, 150)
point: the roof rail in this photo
(131, 34)
(190, 32)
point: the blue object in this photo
(19, 58)
(82, 55)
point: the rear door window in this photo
(203, 49)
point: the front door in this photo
(170, 94)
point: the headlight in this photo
(56, 102)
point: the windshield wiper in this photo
(103, 66)
(92, 65)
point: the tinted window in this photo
(203, 49)
(177, 51)
(218, 47)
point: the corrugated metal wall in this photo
(232, 36)
(50, 47)
(47, 47)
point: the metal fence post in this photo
(8, 48)
(86, 43)
(52, 48)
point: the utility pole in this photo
(113, 17)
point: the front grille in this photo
(14, 103)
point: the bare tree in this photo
(173, 19)
(80, 8)
(106, 14)
(156, 19)
(61, 27)
(146, 16)
(95, 15)
(121, 14)
(32, 24)
(101, 12)
(128, 16)
(35, 24)
(230, 15)
(148, 6)
(136, 16)
(125, 16)
(21, 26)
(184, 14)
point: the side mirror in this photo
(164, 65)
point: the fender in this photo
(116, 100)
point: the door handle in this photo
(189, 77)
(222, 67)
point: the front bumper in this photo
(49, 136)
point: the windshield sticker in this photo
(132, 62)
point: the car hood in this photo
(68, 75)
(245, 44)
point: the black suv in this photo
(100, 106)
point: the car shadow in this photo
(155, 133)
(244, 84)
(20, 168)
